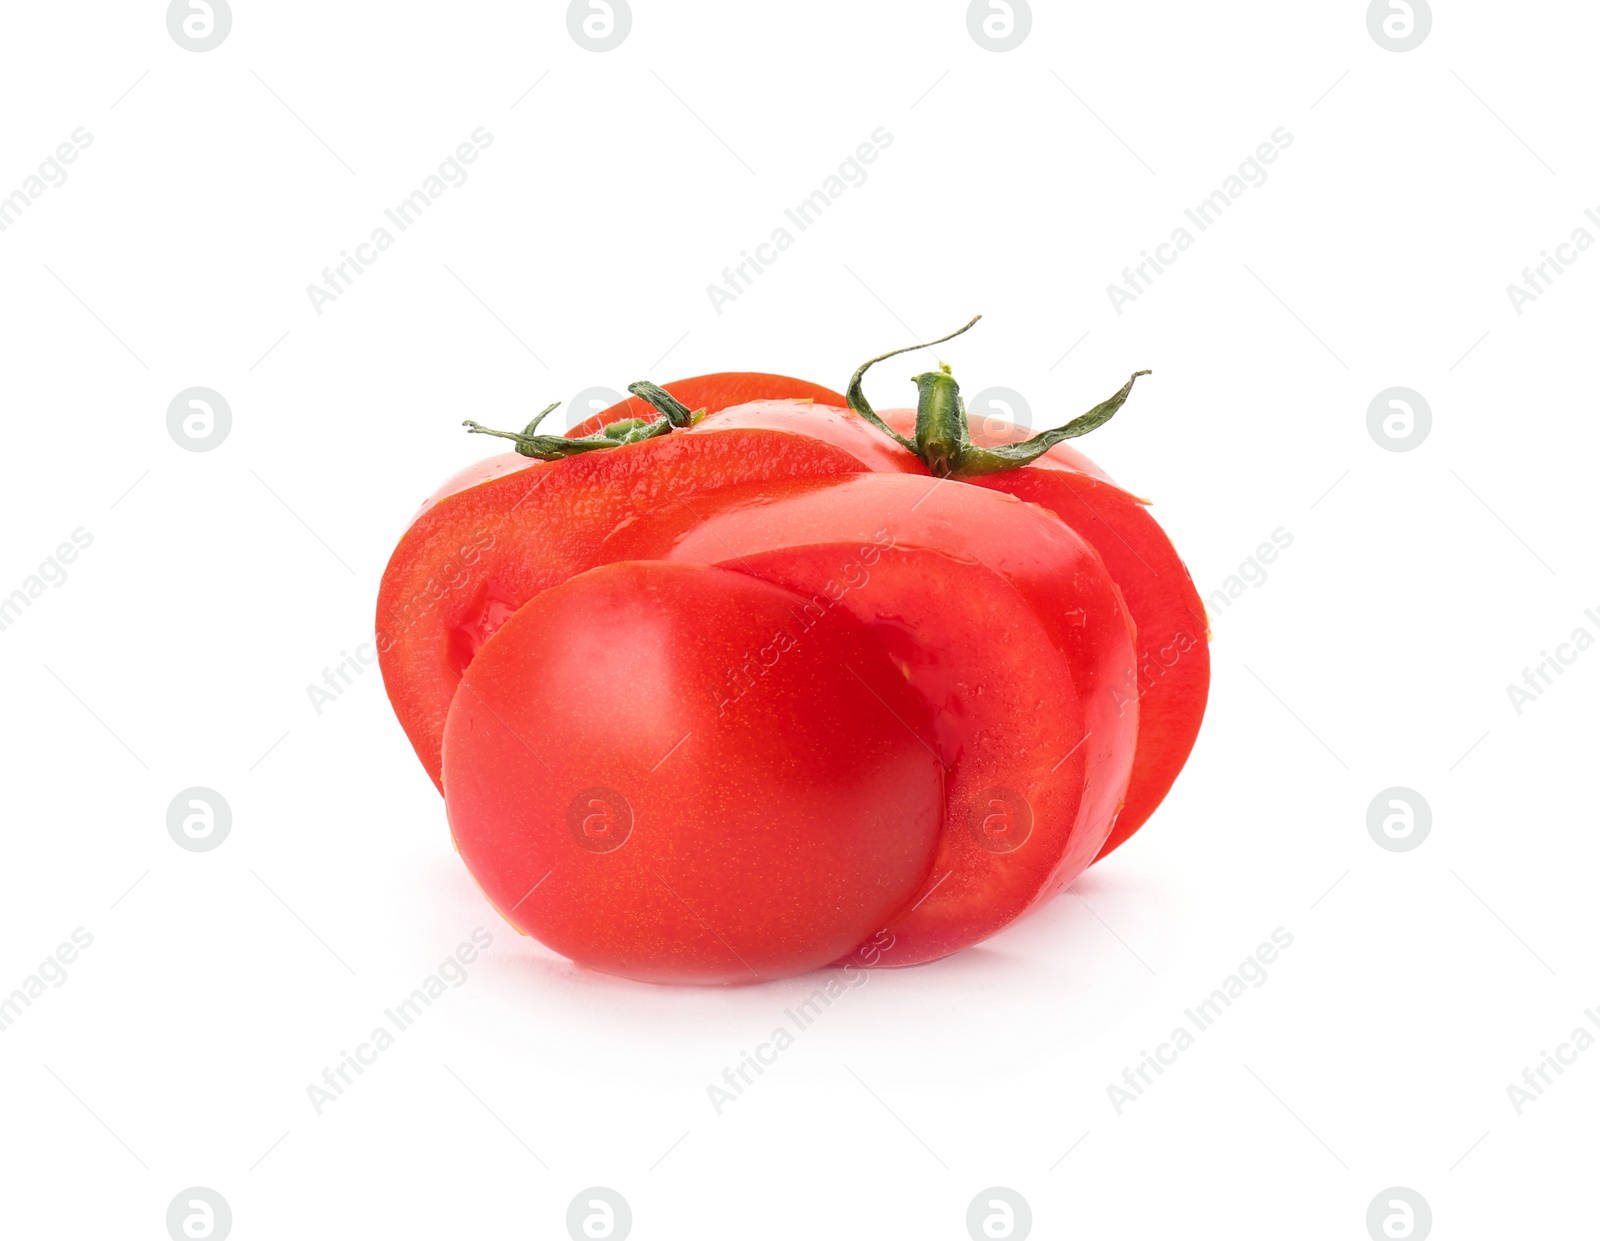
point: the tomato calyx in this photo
(942, 442)
(674, 414)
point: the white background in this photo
(1376, 653)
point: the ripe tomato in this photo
(661, 771)
(1019, 617)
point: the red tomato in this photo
(1023, 622)
(1008, 626)
(661, 771)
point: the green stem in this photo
(942, 439)
(663, 402)
(554, 447)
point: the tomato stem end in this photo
(943, 442)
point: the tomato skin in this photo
(624, 793)
(1003, 619)
(715, 392)
(508, 529)
(1172, 671)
